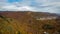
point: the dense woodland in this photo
(26, 23)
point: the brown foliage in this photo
(26, 23)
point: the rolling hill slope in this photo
(27, 22)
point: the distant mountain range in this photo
(22, 14)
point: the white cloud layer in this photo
(52, 6)
(16, 8)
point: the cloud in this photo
(49, 6)
(3, 0)
(17, 8)
(36, 5)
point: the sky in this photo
(52, 6)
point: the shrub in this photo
(47, 26)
